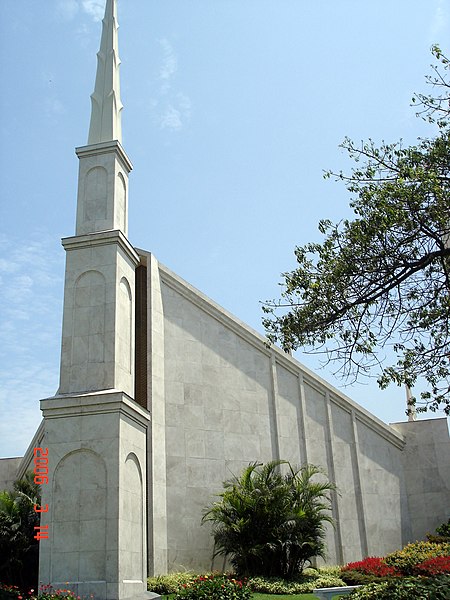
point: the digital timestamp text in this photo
(41, 478)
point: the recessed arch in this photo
(96, 194)
(125, 327)
(79, 516)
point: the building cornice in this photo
(113, 146)
(101, 238)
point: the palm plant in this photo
(19, 556)
(269, 523)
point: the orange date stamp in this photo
(41, 478)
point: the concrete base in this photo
(329, 593)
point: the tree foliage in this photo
(19, 551)
(382, 280)
(269, 523)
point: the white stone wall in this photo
(426, 465)
(230, 400)
(8, 472)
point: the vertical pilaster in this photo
(332, 476)
(359, 495)
(157, 483)
(301, 411)
(273, 412)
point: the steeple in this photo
(106, 111)
(104, 166)
(98, 324)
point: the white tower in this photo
(94, 430)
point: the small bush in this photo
(334, 570)
(438, 539)
(303, 585)
(414, 554)
(326, 581)
(275, 585)
(10, 592)
(440, 565)
(444, 529)
(442, 534)
(372, 565)
(406, 588)
(214, 587)
(47, 592)
(358, 578)
(171, 583)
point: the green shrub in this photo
(438, 539)
(46, 592)
(214, 587)
(303, 585)
(269, 523)
(19, 551)
(354, 577)
(9, 592)
(334, 570)
(327, 581)
(413, 554)
(171, 583)
(275, 585)
(406, 588)
(442, 534)
(444, 529)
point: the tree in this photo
(19, 551)
(382, 280)
(269, 523)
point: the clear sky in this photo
(233, 109)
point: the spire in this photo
(106, 105)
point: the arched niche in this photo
(79, 516)
(134, 515)
(89, 312)
(121, 202)
(125, 324)
(96, 194)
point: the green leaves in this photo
(18, 549)
(381, 280)
(269, 523)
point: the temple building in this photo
(163, 395)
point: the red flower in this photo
(372, 565)
(434, 566)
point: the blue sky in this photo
(233, 109)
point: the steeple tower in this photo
(94, 431)
(106, 104)
(104, 165)
(98, 326)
